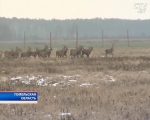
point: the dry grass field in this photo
(94, 88)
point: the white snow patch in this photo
(47, 116)
(65, 114)
(72, 80)
(40, 82)
(85, 84)
(26, 82)
(55, 84)
(77, 75)
(65, 77)
(112, 79)
(32, 78)
(45, 84)
(17, 78)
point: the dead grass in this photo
(128, 97)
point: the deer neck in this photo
(90, 50)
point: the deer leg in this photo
(82, 55)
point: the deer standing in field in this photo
(41, 51)
(15, 54)
(44, 54)
(26, 53)
(62, 53)
(76, 52)
(110, 51)
(34, 53)
(65, 52)
(49, 52)
(8, 54)
(87, 52)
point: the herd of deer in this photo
(46, 52)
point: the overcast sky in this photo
(72, 9)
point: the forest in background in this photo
(39, 29)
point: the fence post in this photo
(76, 39)
(128, 39)
(24, 39)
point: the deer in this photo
(41, 51)
(62, 53)
(8, 54)
(110, 51)
(45, 53)
(65, 52)
(15, 54)
(34, 53)
(76, 52)
(87, 52)
(26, 53)
(49, 52)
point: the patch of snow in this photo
(72, 80)
(47, 116)
(26, 82)
(17, 78)
(65, 77)
(40, 82)
(45, 84)
(77, 75)
(32, 78)
(112, 79)
(65, 114)
(55, 84)
(85, 84)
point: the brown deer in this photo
(41, 51)
(76, 52)
(87, 52)
(26, 53)
(34, 53)
(8, 54)
(15, 54)
(110, 51)
(45, 53)
(62, 53)
(49, 52)
(65, 52)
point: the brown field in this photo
(95, 88)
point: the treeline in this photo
(39, 29)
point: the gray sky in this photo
(72, 9)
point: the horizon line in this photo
(70, 18)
